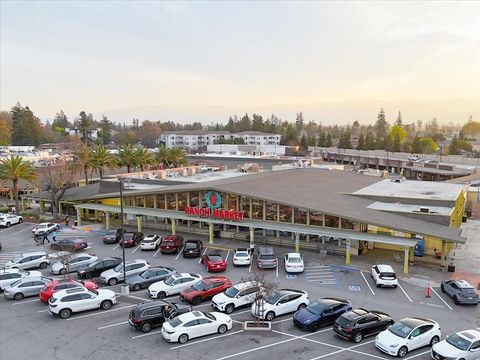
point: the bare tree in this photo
(57, 178)
(267, 288)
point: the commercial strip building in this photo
(304, 208)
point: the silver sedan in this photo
(25, 287)
(72, 263)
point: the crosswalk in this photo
(6, 257)
(320, 275)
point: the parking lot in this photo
(107, 335)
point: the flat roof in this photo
(437, 171)
(409, 208)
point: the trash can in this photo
(451, 268)
(76, 223)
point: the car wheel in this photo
(146, 327)
(43, 265)
(137, 287)
(357, 337)
(57, 227)
(87, 276)
(20, 220)
(301, 306)
(161, 295)
(63, 271)
(222, 329)
(196, 300)
(112, 281)
(106, 304)
(18, 296)
(402, 352)
(65, 313)
(229, 308)
(434, 340)
(270, 315)
(182, 339)
(7, 225)
(455, 300)
(377, 284)
(442, 288)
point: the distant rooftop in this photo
(408, 208)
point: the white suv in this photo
(384, 275)
(150, 242)
(31, 260)
(113, 276)
(66, 302)
(236, 296)
(462, 345)
(10, 219)
(173, 285)
(9, 276)
(45, 228)
(280, 302)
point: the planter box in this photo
(252, 325)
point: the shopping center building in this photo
(307, 209)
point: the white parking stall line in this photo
(28, 227)
(276, 269)
(136, 249)
(112, 325)
(204, 340)
(250, 266)
(240, 312)
(228, 253)
(199, 306)
(204, 252)
(366, 282)
(116, 246)
(133, 296)
(317, 267)
(101, 312)
(279, 321)
(401, 288)
(147, 334)
(417, 355)
(25, 302)
(40, 311)
(181, 251)
(156, 252)
(319, 276)
(433, 290)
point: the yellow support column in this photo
(174, 226)
(107, 220)
(79, 217)
(347, 252)
(23, 204)
(210, 233)
(405, 260)
(443, 262)
(139, 223)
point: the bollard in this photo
(124, 290)
(428, 291)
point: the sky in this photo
(189, 61)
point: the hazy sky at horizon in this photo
(105, 55)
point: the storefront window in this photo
(331, 221)
(160, 201)
(139, 201)
(182, 201)
(300, 216)
(203, 203)
(244, 205)
(316, 218)
(257, 209)
(171, 201)
(149, 201)
(271, 209)
(347, 224)
(232, 201)
(128, 201)
(194, 199)
(285, 213)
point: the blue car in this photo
(321, 312)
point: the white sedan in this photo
(173, 285)
(45, 228)
(195, 324)
(294, 263)
(9, 219)
(242, 257)
(9, 276)
(150, 242)
(408, 334)
(280, 302)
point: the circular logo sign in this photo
(213, 199)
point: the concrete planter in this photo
(253, 325)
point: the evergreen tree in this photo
(322, 141)
(361, 142)
(369, 141)
(257, 123)
(60, 122)
(303, 143)
(26, 127)
(84, 123)
(381, 129)
(399, 121)
(416, 146)
(299, 122)
(328, 142)
(312, 140)
(106, 130)
(396, 143)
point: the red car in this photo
(171, 244)
(214, 262)
(57, 285)
(205, 289)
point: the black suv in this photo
(95, 268)
(146, 316)
(193, 248)
(356, 324)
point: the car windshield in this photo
(128, 236)
(145, 274)
(267, 256)
(23, 272)
(168, 240)
(148, 240)
(469, 291)
(210, 316)
(273, 298)
(459, 342)
(111, 232)
(18, 282)
(190, 245)
(400, 329)
(17, 258)
(91, 265)
(175, 322)
(199, 285)
(215, 258)
(119, 268)
(231, 292)
(241, 254)
(294, 260)
(316, 308)
(170, 280)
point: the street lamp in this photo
(124, 289)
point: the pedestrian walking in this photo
(67, 220)
(45, 237)
(13, 210)
(252, 248)
(54, 236)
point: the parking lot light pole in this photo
(124, 289)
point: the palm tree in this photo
(83, 159)
(163, 156)
(15, 169)
(177, 157)
(143, 157)
(101, 159)
(127, 156)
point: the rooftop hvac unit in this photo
(424, 210)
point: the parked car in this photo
(236, 296)
(98, 266)
(266, 258)
(113, 276)
(358, 323)
(408, 334)
(384, 275)
(462, 345)
(195, 324)
(28, 286)
(460, 291)
(131, 239)
(30, 260)
(69, 244)
(150, 242)
(148, 277)
(112, 236)
(280, 302)
(173, 285)
(214, 262)
(66, 302)
(413, 157)
(171, 244)
(294, 263)
(72, 263)
(321, 312)
(45, 228)
(146, 316)
(10, 275)
(205, 289)
(242, 256)
(192, 248)
(6, 220)
(57, 285)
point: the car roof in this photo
(241, 250)
(33, 253)
(193, 241)
(156, 267)
(385, 268)
(245, 285)
(266, 249)
(10, 270)
(293, 254)
(212, 279)
(134, 261)
(191, 315)
(289, 291)
(355, 314)
(152, 304)
(214, 254)
(332, 300)
(151, 235)
(109, 258)
(62, 293)
(180, 275)
(414, 322)
(463, 284)
(471, 335)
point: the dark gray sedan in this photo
(25, 287)
(148, 277)
(460, 291)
